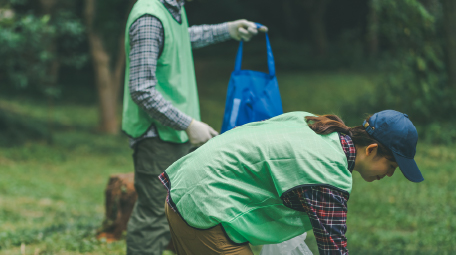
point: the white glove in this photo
(244, 29)
(199, 132)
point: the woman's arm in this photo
(327, 211)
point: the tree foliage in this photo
(404, 39)
(34, 41)
(415, 80)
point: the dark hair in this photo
(326, 124)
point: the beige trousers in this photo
(192, 241)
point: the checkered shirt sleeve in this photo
(204, 35)
(327, 211)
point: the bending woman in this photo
(267, 182)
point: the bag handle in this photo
(271, 63)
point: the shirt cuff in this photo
(184, 122)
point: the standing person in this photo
(161, 109)
(267, 182)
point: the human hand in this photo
(199, 132)
(244, 29)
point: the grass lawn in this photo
(51, 195)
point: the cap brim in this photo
(409, 168)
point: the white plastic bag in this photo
(294, 246)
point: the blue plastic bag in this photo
(252, 95)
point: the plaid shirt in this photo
(326, 206)
(146, 42)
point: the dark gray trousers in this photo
(148, 230)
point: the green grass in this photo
(52, 195)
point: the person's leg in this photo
(148, 230)
(191, 241)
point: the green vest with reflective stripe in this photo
(175, 74)
(237, 179)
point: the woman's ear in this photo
(372, 149)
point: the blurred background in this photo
(61, 85)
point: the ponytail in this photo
(327, 124)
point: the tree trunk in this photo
(120, 198)
(47, 7)
(372, 28)
(316, 12)
(106, 85)
(449, 12)
(108, 80)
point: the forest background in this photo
(61, 80)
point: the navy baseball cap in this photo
(394, 130)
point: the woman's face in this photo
(376, 168)
(371, 166)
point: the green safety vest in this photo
(175, 74)
(237, 179)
